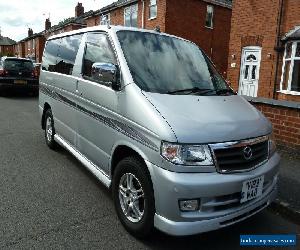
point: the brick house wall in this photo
(248, 28)
(187, 19)
(286, 124)
(20, 49)
(160, 20)
(66, 28)
(7, 50)
(29, 49)
(291, 15)
(255, 23)
(285, 118)
(92, 21)
(117, 15)
(39, 48)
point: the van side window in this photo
(67, 54)
(98, 49)
(50, 54)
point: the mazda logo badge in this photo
(247, 153)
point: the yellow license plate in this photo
(20, 82)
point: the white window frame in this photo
(29, 45)
(212, 16)
(292, 59)
(131, 7)
(105, 21)
(152, 3)
(33, 44)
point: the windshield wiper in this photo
(225, 91)
(191, 91)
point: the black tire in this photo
(34, 93)
(50, 139)
(136, 167)
(2, 92)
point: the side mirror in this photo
(106, 73)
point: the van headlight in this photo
(272, 145)
(195, 155)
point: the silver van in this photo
(148, 114)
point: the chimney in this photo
(30, 32)
(47, 24)
(79, 10)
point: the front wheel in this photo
(133, 196)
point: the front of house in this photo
(264, 49)
(205, 22)
(6, 46)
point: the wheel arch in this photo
(123, 150)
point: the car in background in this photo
(18, 73)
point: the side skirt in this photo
(87, 163)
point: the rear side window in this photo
(18, 65)
(60, 54)
(98, 49)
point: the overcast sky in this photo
(17, 16)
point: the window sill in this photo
(288, 92)
(211, 28)
(152, 18)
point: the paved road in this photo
(49, 201)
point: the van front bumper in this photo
(218, 194)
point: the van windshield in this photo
(168, 65)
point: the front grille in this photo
(233, 158)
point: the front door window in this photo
(249, 71)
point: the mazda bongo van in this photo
(148, 114)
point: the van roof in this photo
(107, 28)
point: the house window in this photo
(153, 9)
(209, 16)
(33, 44)
(130, 16)
(105, 19)
(290, 79)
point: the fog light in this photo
(189, 205)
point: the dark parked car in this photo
(18, 73)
